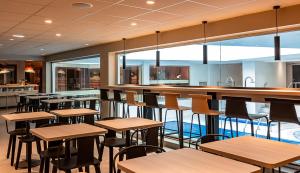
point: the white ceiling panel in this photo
(157, 16)
(123, 11)
(158, 3)
(18, 7)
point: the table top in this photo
(257, 151)
(128, 124)
(85, 98)
(185, 160)
(50, 101)
(38, 97)
(67, 131)
(28, 116)
(74, 112)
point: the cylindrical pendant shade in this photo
(124, 62)
(205, 54)
(157, 58)
(277, 48)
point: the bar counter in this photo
(257, 94)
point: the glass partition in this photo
(81, 76)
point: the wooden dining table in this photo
(27, 117)
(183, 161)
(67, 132)
(127, 124)
(256, 151)
(74, 112)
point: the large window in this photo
(76, 75)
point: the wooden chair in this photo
(171, 103)
(200, 106)
(130, 100)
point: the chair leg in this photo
(18, 155)
(269, 130)
(97, 168)
(154, 114)
(138, 112)
(224, 129)
(54, 169)
(177, 119)
(42, 165)
(87, 169)
(13, 149)
(128, 112)
(80, 169)
(165, 122)
(199, 125)
(237, 127)
(28, 155)
(191, 129)
(252, 128)
(231, 130)
(279, 134)
(47, 163)
(9, 146)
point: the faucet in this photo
(229, 81)
(246, 79)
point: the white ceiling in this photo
(108, 20)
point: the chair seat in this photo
(184, 108)
(68, 164)
(115, 142)
(27, 139)
(210, 113)
(257, 116)
(140, 104)
(57, 152)
(18, 132)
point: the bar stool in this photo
(151, 102)
(171, 103)
(236, 108)
(131, 102)
(104, 98)
(200, 106)
(21, 104)
(118, 100)
(282, 110)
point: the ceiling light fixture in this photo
(48, 21)
(58, 35)
(86, 44)
(18, 36)
(149, 2)
(157, 50)
(277, 37)
(42, 49)
(124, 54)
(204, 45)
(133, 24)
(29, 69)
(11, 39)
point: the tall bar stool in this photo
(200, 106)
(151, 102)
(104, 98)
(236, 108)
(118, 100)
(282, 110)
(171, 103)
(130, 100)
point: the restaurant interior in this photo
(144, 86)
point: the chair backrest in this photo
(149, 136)
(89, 119)
(77, 104)
(283, 110)
(53, 106)
(135, 152)
(117, 95)
(200, 103)
(210, 138)
(236, 106)
(93, 104)
(151, 100)
(130, 97)
(171, 100)
(67, 105)
(85, 153)
(23, 100)
(41, 123)
(104, 94)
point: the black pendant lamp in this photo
(277, 37)
(124, 53)
(204, 45)
(157, 50)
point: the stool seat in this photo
(114, 142)
(68, 164)
(257, 116)
(57, 152)
(17, 132)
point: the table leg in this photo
(213, 121)
(127, 138)
(111, 159)
(181, 129)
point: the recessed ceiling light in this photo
(11, 39)
(58, 35)
(48, 21)
(150, 2)
(86, 44)
(133, 24)
(18, 36)
(82, 5)
(42, 49)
